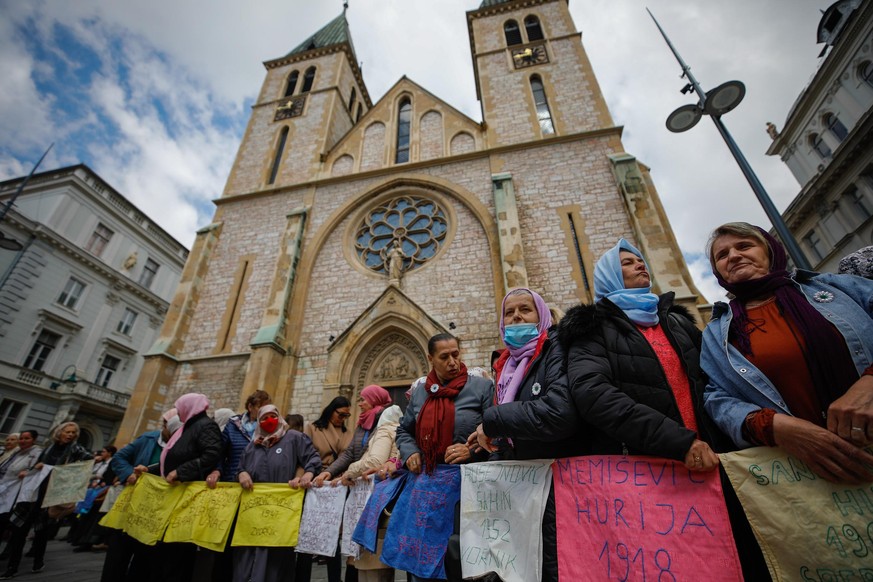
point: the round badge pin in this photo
(434, 388)
(535, 389)
(279, 451)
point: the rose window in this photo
(417, 225)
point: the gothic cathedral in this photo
(349, 231)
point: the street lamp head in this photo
(9, 244)
(684, 118)
(724, 98)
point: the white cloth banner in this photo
(502, 505)
(358, 496)
(321, 519)
(68, 483)
(111, 496)
(8, 493)
(30, 484)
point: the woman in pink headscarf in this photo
(532, 426)
(190, 455)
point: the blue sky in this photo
(155, 96)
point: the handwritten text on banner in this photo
(322, 516)
(203, 516)
(641, 518)
(68, 483)
(269, 516)
(502, 506)
(808, 529)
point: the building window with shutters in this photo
(512, 33)
(533, 28)
(69, 297)
(292, 83)
(41, 350)
(308, 80)
(125, 326)
(108, 367)
(147, 277)
(836, 127)
(99, 239)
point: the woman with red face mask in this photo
(273, 456)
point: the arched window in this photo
(360, 112)
(865, 71)
(403, 124)
(820, 147)
(835, 126)
(352, 100)
(292, 83)
(544, 116)
(308, 79)
(533, 28)
(280, 149)
(513, 34)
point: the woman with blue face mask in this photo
(534, 418)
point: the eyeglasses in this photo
(343, 414)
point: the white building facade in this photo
(827, 141)
(79, 303)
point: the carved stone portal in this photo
(393, 359)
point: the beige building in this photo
(827, 141)
(349, 231)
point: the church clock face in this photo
(529, 56)
(291, 107)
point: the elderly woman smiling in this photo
(789, 359)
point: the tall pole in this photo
(22, 185)
(794, 251)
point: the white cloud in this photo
(181, 158)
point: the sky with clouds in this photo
(154, 96)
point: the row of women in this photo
(28, 513)
(786, 363)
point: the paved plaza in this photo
(64, 565)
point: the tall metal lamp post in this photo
(8, 243)
(716, 103)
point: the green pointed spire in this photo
(334, 32)
(487, 3)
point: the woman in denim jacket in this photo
(789, 360)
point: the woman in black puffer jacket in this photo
(534, 408)
(191, 454)
(633, 366)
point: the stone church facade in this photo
(296, 287)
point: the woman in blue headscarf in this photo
(633, 367)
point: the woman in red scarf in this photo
(443, 411)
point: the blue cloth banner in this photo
(91, 496)
(367, 531)
(422, 521)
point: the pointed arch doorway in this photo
(393, 362)
(385, 345)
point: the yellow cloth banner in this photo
(808, 529)
(117, 516)
(151, 505)
(269, 516)
(203, 516)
